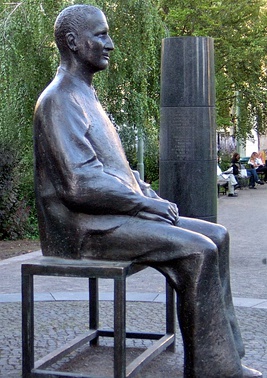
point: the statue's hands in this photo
(160, 210)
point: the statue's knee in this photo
(208, 252)
(211, 255)
(222, 235)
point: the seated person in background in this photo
(227, 177)
(256, 162)
(262, 156)
(251, 172)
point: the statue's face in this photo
(94, 44)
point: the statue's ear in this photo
(71, 41)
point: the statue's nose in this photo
(109, 44)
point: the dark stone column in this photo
(188, 159)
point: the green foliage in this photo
(225, 161)
(129, 89)
(155, 185)
(239, 32)
(27, 64)
(15, 212)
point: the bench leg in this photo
(120, 328)
(93, 307)
(170, 313)
(27, 325)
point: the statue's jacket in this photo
(84, 185)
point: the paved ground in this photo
(61, 307)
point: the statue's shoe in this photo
(250, 373)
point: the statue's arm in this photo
(78, 176)
(97, 191)
(144, 186)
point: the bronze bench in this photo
(93, 270)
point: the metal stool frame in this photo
(118, 271)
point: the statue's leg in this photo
(209, 346)
(190, 261)
(219, 235)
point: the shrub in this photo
(14, 211)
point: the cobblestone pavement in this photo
(59, 322)
(61, 314)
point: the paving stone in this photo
(58, 323)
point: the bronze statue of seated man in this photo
(91, 205)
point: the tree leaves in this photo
(239, 32)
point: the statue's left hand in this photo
(160, 210)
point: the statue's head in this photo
(81, 33)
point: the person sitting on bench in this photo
(228, 178)
(250, 172)
(256, 162)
